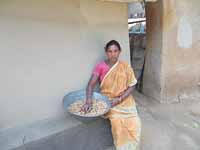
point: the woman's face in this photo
(113, 53)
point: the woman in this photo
(117, 81)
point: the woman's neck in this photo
(110, 63)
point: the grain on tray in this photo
(98, 108)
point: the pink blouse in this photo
(100, 70)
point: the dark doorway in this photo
(137, 38)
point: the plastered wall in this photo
(48, 48)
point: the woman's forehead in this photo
(113, 47)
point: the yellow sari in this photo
(125, 122)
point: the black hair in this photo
(112, 42)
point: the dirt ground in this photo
(164, 127)
(169, 126)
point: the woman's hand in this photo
(115, 101)
(87, 106)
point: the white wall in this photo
(48, 48)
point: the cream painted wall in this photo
(172, 72)
(49, 48)
(181, 50)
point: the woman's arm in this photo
(122, 96)
(89, 90)
(127, 92)
(91, 84)
(131, 82)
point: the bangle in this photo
(120, 99)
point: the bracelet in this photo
(120, 99)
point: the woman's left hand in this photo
(115, 101)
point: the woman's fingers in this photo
(89, 108)
(86, 108)
(114, 102)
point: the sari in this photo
(124, 119)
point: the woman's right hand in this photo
(115, 101)
(87, 106)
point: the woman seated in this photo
(117, 82)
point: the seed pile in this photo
(98, 108)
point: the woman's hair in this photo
(112, 42)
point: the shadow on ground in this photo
(87, 136)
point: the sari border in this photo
(131, 110)
(109, 72)
(133, 83)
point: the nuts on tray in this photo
(98, 108)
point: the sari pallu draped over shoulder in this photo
(125, 122)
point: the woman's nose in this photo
(113, 54)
